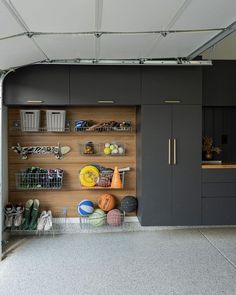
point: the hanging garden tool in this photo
(24, 151)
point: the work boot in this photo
(27, 214)
(34, 215)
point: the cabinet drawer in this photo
(219, 211)
(214, 190)
(218, 175)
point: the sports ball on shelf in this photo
(129, 204)
(106, 202)
(97, 218)
(113, 149)
(88, 176)
(114, 217)
(85, 207)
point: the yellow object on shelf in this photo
(88, 176)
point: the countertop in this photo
(219, 166)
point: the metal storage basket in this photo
(30, 120)
(104, 181)
(88, 226)
(38, 181)
(56, 120)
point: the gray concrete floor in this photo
(155, 262)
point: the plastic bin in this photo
(56, 120)
(30, 120)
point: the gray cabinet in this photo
(93, 85)
(218, 196)
(170, 165)
(161, 85)
(219, 84)
(37, 85)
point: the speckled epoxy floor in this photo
(172, 262)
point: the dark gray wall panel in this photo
(218, 211)
(219, 84)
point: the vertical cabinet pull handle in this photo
(175, 152)
(169, 151)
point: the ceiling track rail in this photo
(100, 33)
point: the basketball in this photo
(129, 204)
(97, 218)
(106, 202)
(85, 207)
(114, 217)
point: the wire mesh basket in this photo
(112, 126)
(105, 223)
(89, 149)
(90, 181)
(39, 181)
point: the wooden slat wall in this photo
(70, 195)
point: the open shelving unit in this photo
(71, 192)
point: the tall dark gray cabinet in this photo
(169, 172)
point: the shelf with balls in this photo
(99, 177)
(108, 149)
(107, 211)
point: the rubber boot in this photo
(34, 215)
(27, 214)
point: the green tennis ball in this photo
(97, 218)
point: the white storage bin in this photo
(56, 120)
(30, 120)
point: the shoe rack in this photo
(71, 192)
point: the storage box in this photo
(30, 120)
(56, 120)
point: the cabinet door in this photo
(91, 85)
(163, 84)
(219, 84)
(37, 85)
(187, 170)
(155, 178)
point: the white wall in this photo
(226, 49)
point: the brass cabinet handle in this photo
(172, 101)
(106, 101)
(175, 151)
(169, 151)
(35, 101)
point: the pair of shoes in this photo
(31, 215)
(13, 215)
(45, 221)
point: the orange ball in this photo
(106, 202)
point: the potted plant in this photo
(208, 148)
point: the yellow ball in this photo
(107, 151)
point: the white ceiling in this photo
(65, 29)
